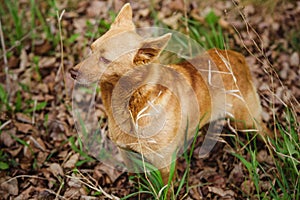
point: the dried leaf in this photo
(72, 161)
(47, 62)
(10, 186)
(23, 118)
(24, 128)
(42, 47)
(112, 173)
(56, 169)
(5, 137)
(294, 60)
(221, 192)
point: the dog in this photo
(152, 118)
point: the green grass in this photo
(4, 100)
(4, 163)
(150, 182)
(285, 149)
(208, 35)
(15, 22)
(287, 154)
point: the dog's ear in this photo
(150, 49)
(124, 19)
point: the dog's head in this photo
(118, 50)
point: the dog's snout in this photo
(74, 73)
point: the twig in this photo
(59, 189)
(52, 192)
(89, 184)
(33, 114)
(61, 67)
(187, 29)
(4, 124)
(23, 176)
(4, 58)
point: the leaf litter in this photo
(35, 137)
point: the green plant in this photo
(80, 149)
(3, 160)
(293, 38)
(252, 167)
(287, 154)
(4, 99)
(102, 27)
(14, 16)
(208, 35)
(13, 8)
(151, 183)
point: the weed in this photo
(80, 150)
(150, 182)
(286, 158)
(4, 101)
(13, 8)
(210, 34)
(287, 154)
(293, 37)
(3, 160)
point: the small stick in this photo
(4, 58)
(61, 67)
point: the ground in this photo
(41, 156)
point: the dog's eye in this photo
(104, 60)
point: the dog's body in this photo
(122, 50)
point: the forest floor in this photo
(41, 156)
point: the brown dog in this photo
(150, 107)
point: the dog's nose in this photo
(74, 73)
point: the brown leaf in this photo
(172, 21)
(56, 169)
(70, 14)
(24, 60)
(96, 8)
(45, 62)
(74, 181)
(23, 118)
(24, 128)
(13, 62)
(177, 5)
(42, 47)
(26, 193)
(15, 152)
(110, 171)
(27, 151)
(263, 156)
(5, 137)
(72, 193)
(247, 187)
(38, 143)
(221, 192)
(294, 60)
(41, 158)
(10, 186)
(72, 161)
(236, 175)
